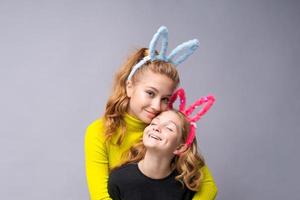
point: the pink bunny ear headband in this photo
(207, 102)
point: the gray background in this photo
(57, 59)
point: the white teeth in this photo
(154, 137)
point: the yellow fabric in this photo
(100, 156)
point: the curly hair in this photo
(188, 164)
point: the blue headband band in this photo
(185, 49)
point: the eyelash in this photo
(165, 100)
(154, 124)
(150, 93)
(170, 129)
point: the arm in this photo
(208, 190)
(114, 192)
(113, 189)
(96, 161)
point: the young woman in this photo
(141, 90)
(164, 165)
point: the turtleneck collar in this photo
(133, 124)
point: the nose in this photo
(156, 128)
(156, 105)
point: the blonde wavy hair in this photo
(118, 101)
(188, 164)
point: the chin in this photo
(150, 145)
(146, 119)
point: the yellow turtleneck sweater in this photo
(100, 156)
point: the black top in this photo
(129, 183)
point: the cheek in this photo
(145, 133)
(147, 129)
(176, 140)
(136, 94)
(142, 99)
(172, 138)
(144, 136)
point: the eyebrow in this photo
(153, 88)
(173, 123)
(170, 121)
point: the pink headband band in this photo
(207, 102)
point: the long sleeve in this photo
(114, 190)
(96, 159)
(208, 190)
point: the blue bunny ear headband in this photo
(185, 49)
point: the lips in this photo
(151, 114)
(154, 137)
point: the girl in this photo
(168, 163)
(141, 90)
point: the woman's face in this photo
(149, 95)
(164, 133)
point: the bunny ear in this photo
(162, 32)
(180, 92)
(191, 134)
(187, 48)
(207, 101)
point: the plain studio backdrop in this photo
(57, 60)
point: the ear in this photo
(129, 88)
(180, 149)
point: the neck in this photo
(154, 166)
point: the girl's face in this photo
(164, 133)
(149, 95)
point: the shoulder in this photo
(98, 123)
(123, 170)
(95, 130)
(121, 182)
(124, 175)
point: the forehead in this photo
(169, 116)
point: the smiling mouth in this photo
(150, 113)
(154, 137)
